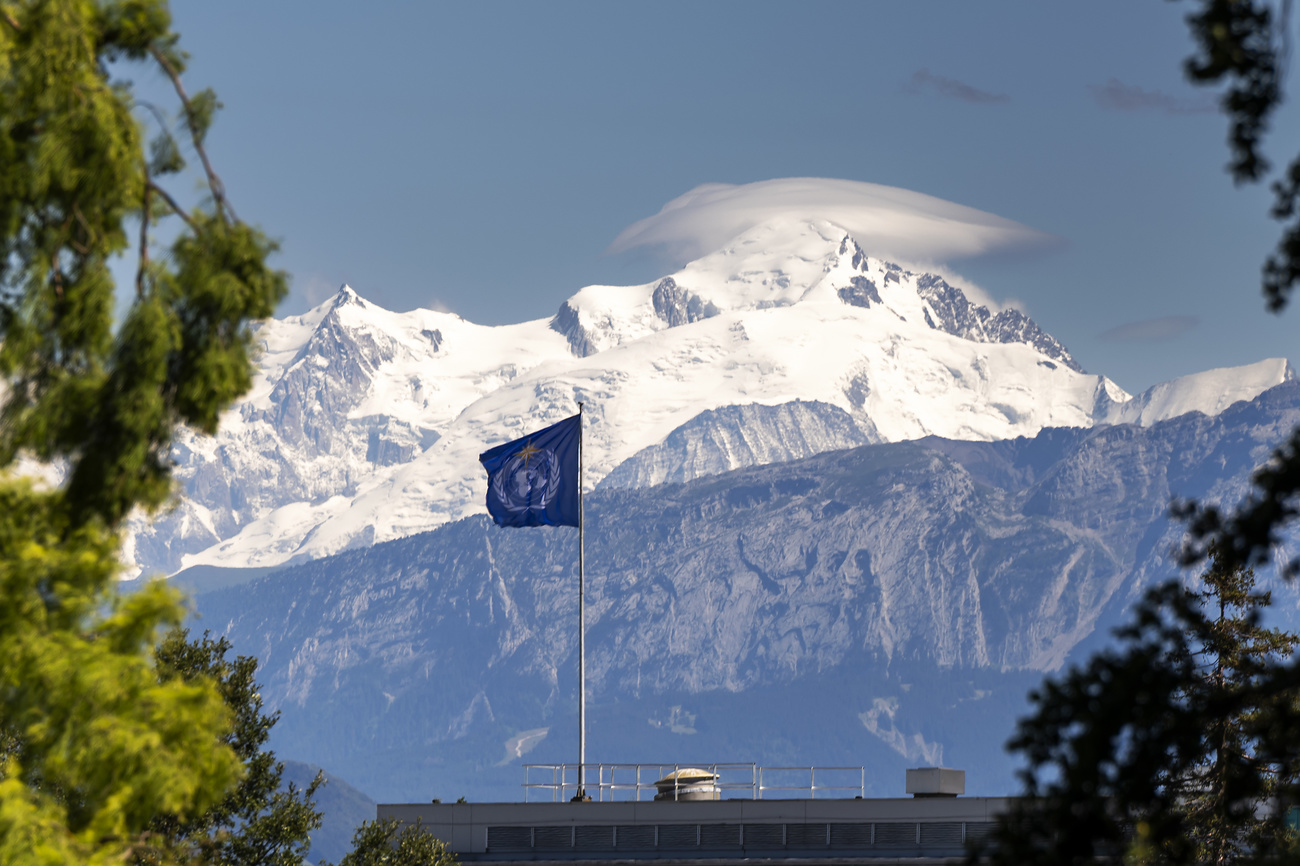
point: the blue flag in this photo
(533, 481)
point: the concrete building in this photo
(933, 825)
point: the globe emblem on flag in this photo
(528, 480)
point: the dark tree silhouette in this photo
(1176, 747)
(1182, 744)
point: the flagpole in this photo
(582, 643)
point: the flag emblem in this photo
(533, 481)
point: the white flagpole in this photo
(582, 657)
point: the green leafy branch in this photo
(96, 745)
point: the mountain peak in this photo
(365, 424)
(1209, 392)
(344, 297)
(783, 262)
(347, 295)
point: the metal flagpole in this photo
(582, 647)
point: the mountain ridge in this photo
(946, 561)
(365, 425)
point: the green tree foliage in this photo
(97, 744)
(1183, 745)
(104, 745)
(1245, 44)
(1234, 657)
(257, 823)
(1168, 748)
(382, 843)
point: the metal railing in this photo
(623, 782)
(833, 779)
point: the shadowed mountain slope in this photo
(827, 584)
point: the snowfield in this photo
(365, 425)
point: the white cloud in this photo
(438, 305)
(312, 289)
(886, 221)
(1150, 330)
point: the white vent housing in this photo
(936, 782)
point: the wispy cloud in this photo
(1149, 330)
(316, 288)
(1118, 96)
(924, 80)
(885, 220)
(438, 305)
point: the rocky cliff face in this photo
(678, 306)
(877, 566)
(948, 310)
(734, 437)
(310, 436)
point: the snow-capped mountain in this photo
(1209, 392)
(365, 425)
(895, 594)
(719, 440)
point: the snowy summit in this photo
(365, 425)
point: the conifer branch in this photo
(171, 202)
(158, 117)
(81, 218)
(214, 182)
(10, 20)
(144, 237)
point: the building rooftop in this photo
(932, 826)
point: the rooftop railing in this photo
(630, 782)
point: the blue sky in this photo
(482, 157)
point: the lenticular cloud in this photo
(885, 220)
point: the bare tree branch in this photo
(214, 182)
(81, 218)
(171, 202)
(144, 237)
(158, 117)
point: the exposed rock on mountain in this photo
(678, 306)
(860, 292)
(956, 315)
(734, 437)
(866, 569)
(567, 322)
(365, 425)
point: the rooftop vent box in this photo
(936, 782)
(688, 784)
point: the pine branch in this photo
(171, 202)
(10, 20)
(90, 233)
(144, 237)
(214, 182)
